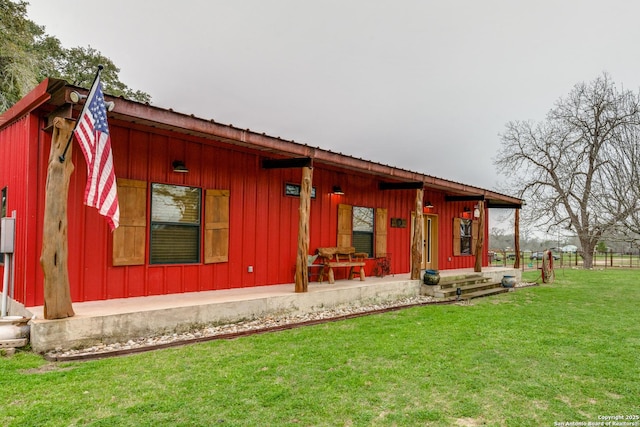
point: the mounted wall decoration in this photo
(398, 223)
(294, 190)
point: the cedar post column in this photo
(53, 259)
(516, 231)
(416, 245)
(302, 270)
(480, 241)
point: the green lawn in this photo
(567, 352)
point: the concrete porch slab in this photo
(120, 320)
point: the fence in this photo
(533, 260)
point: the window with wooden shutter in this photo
(475, 230)
(129, 239)
(456, 236)
(216, 226)
(464, 236)
(381, 232)
(344, 225)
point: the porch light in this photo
(179, 166)
(476, 211)
(75, 97)
(337, 190)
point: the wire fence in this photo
(533, 260)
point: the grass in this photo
(567, 352)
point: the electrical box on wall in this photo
(7, 235)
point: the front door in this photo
(430, 242)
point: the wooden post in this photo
(53, 259)
(480, 241)
(516, 263)
(416, 245)
(302, 270)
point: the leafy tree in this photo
(20, 60)
(578, 169)
(79, 65)
(28, 55)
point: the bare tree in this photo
(578, 169)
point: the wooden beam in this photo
(400, 185)
(516, 244)
(53, 259)
(497, 205)
(296, 162)
(416, 245)
(448, 198)
(480, 241)
(302, 268)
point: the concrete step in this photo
(458, 281)
(478, 294)
(466, 289)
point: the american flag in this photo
(92, 132)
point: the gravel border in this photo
(262, 323)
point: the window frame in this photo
(187, 225)
(371, 233)
(466, 240)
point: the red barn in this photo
(207, 206)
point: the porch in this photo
(119, 320)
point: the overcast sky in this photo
(418, 84)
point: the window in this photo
(175, 224)
(465, 235)
(3, 210)
(356, 227)
(3, 213)
(362, 238)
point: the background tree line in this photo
(28, 55)
(578, 170)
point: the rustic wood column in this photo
(302, 276)
(53, 259)
(516, 236)
(417, 241)
(480, 241)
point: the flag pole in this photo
(64, 153)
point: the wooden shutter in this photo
(345, 213)
(475, 233)
(129, 239)
(456, 236)
(216, 226)
(381, 233)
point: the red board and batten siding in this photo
(263, 221)
(19, 174)
(446, 211)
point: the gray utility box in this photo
(7, 235)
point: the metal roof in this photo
(54, 95)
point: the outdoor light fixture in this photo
(337, 190)
(75, 97)
(427, 207)
(476, 211)
(178, 166)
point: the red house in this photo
(207, 206)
